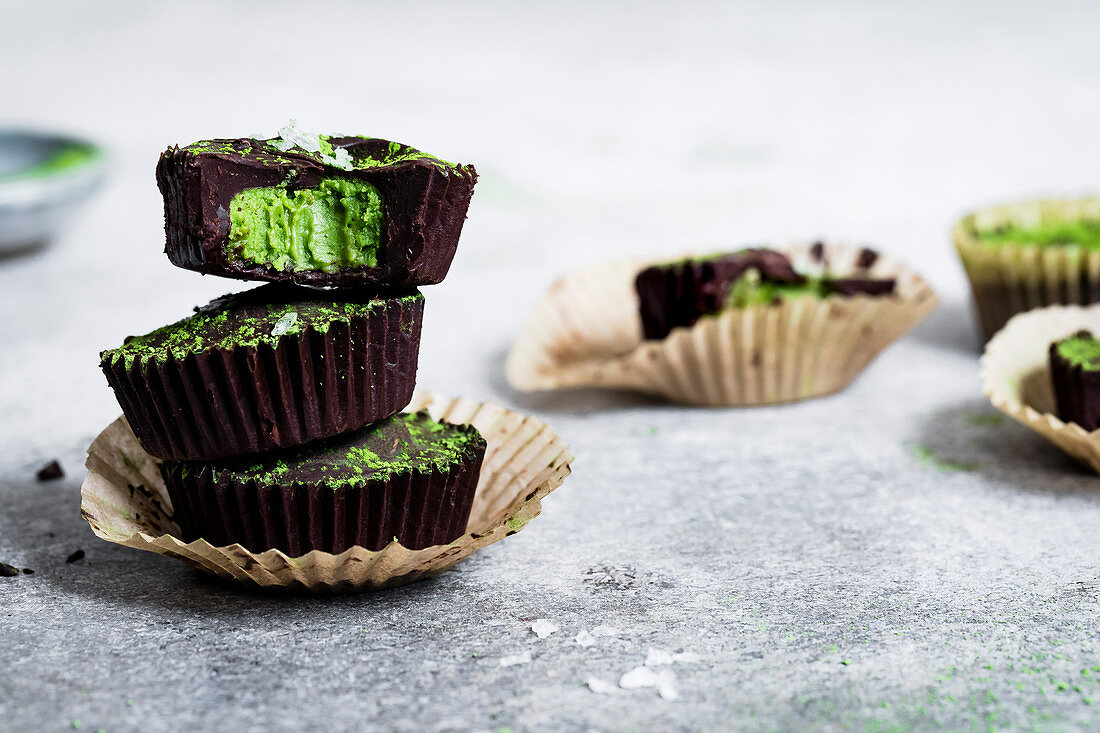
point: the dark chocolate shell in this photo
(323, 380)
(424, 206)
(297, 512)
(1076, 391)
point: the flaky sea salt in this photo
(290, 135)
(601, 687)
(543, 627)
(284, 324)
(588, 638)
(664, 680)
(340, 158)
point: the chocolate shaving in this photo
(50, 471)
(867, 258)
(78, 555)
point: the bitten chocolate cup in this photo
(406, 478)
(269, 368)
(382, 213)
(587, 331)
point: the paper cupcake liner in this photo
(125, 501)
(1007, 279)
(1016, 375)
(585, 331)
(418, 509)
(311, 385)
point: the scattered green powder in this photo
(927, 456)
(986, 420)
(240, 321)
(407, 442)
(361, 158)
(1083, 233)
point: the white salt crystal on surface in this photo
(664, 680)
(513, 660)
(601, 687)
(284, 324)
(543, 627)
(605, 631)
(584, 638)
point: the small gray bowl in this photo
(44, 177)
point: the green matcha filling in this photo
(334, 225)
(1083, 233)
(750, 289)
(1081, 350)
(406, 442)
(230, 323)
(67, 158)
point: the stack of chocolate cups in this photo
(276, 412)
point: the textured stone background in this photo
(893, 556)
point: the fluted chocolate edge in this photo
(1076, 391)
(417, 509)
(311, 385)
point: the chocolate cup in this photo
(677, 294)
(424, 206)
(1076, 391)
(418, 509)
(310, 385)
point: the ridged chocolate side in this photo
(309, 386)
(424, 207)
(1076, 391)
(419, 509)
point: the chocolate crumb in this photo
(50, 471)
(78, 555)
(867, 257)
(817, 251)
(7, 571)
(28, 571)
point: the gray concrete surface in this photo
(892, 557)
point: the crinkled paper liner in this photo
(125, 501)
(1016, 375)
(585, 331)
(1008, 279)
